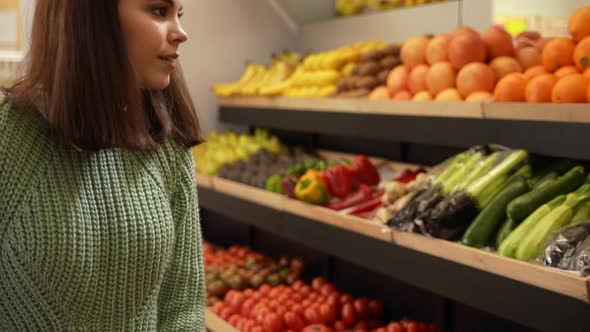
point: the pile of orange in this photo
(468, 66)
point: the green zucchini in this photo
(526, 204)
(487, 222)
(507, 228)
(546, 179)
(511, 243)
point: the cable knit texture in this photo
(96, 241)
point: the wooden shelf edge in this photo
(214, 323)
(543, 112)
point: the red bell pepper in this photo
(369, 205)
(364, 171)
(362, 195)
(338, 180)
(408, 176)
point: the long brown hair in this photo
(78, 66)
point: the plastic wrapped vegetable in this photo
(561, 248)
(581, 261)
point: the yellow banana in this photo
(230, 89)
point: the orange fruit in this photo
(422, 96)
(449, 95)
(510, 88)
(582, 54)
(440, 76)
(558, 53)
(480, 96)
(505, 65)
(413, 51)
(417, 79)
(380, 93)
(539, 88)
(587, 73)
(465, 48)
(571, 89)
(436, 51)
(588, 94)
(475, 77)
(579, 24)
(567, 70)
(403, 95)
(529, 57)
(498, 42)
(534, 71)
(397, 79)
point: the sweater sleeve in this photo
(181, 305)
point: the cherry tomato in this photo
(237, 300)
(273, 323)
(248, 292)
(298, 309)
(395, 327)
(317, 283)
(312, 315)
(340, 326)
(345, 298)
(293, 321)
(412, 327)
(317, 328)
(229, 295)
(247, 307)
(348, 314)
(226, 313)
(328, 314)
(234, 319)
(264, 289)
(305, 291)
(297, 297)
(274, 293)
(361, 307)
(297, 285)
(327, 289)
(218, 306)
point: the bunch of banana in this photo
(257, 78)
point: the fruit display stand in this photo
(520, 292)
(549, 129)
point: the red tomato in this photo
(395, 327)
(281, 310)
(305, 291)
(340, 326)
(348, 314)
(257, 328)
(297, 297)
(306, 303)
(422, 327)
(412, 327)
(293, 321)
(361, 307)
(381, 329)
(328, 314)
(234, 319)
(247, 307)
(345, 298)
(317, 283)
(327, 289)
(361, 325)
(218, 306)
(333, 299)
(226, 313)
(312, 315)
(264, 289)
(229, 295)
(237, 300)
(274, 293)
(376, 310)
(432, 328)
(312, 296)
(317, 328)
(298, 309)
(273, 323)
(297, 285)
(248, 292)
(273, 304)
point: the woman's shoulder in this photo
(19, 128)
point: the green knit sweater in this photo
(96, 241)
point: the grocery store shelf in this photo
(522, 292)
(214, 323)
(550, 129)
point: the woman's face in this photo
(152, 32)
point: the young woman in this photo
(99, 226)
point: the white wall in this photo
(223, 34)
(538, 7)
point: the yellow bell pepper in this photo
(311, 188)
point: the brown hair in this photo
(78, 64)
